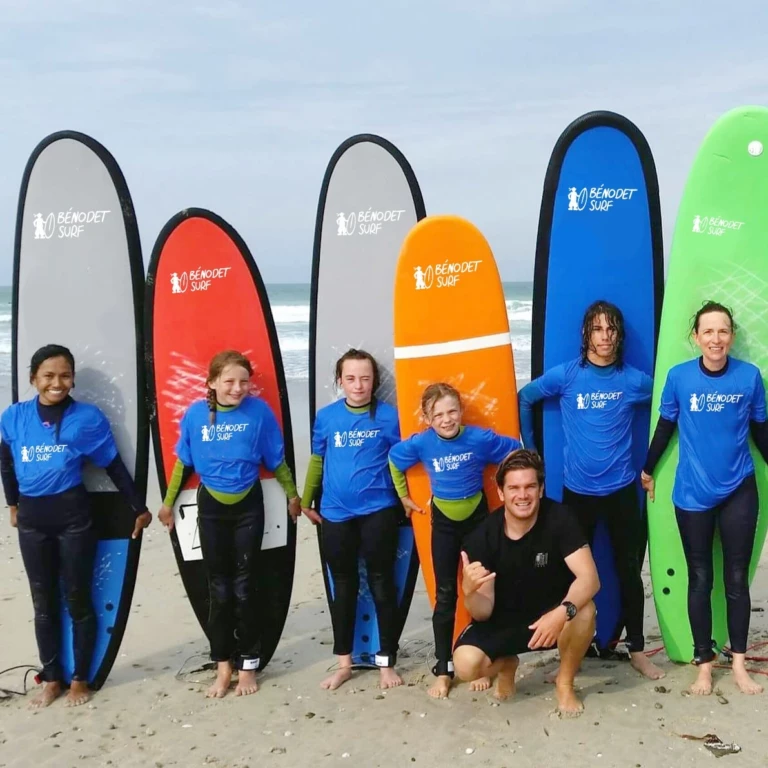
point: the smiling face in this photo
(53, 380)
(231, 385)
(714, 336)
(521, 493)
(445, 416)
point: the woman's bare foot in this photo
(505, 679)
(51, 691)
(702, 686)
(246, 682)
(645, 666)
(389, 678)
(741, 677)
(223, 680)
(337, 679)
(481, 684)
(440, 688)
(568, 703)
(78, 694)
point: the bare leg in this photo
(340, 676)
(471, 664)
(573, 643)
(223, 679)
(51, 692)
(741, 676)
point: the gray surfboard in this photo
(369, 201)
(78, 281)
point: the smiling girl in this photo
(226, 438)
(715, 402)
(455, 457)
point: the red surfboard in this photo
(205, 295)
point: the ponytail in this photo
(210, 399)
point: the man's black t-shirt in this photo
(531, 574)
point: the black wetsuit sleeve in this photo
(661, 437)
(119, 475)
(759, 432)
(8, 474)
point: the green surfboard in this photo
(719, 252)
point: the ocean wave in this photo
(290, 313)
(293, 343)
(6, 318)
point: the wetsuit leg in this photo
(738, 523)
(217, 542)
(341, 547)
(378, 547)
(248, 533)
(697, 531)
(40, 553)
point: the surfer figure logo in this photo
(337, 440)
(175, 283)
(438, 465)
(573, 199)
(43, 227)
(697, 403)
(26, 453)
(582, 402)
(699, 224)
(345, 225)
(208, 433)
(418, 274)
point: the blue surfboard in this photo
(599, 238)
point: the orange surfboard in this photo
(451, 325)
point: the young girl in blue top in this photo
(360, 509)
(226, 438)
(45, 442)
(455, 457)
(715, 402)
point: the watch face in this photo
(570, 610)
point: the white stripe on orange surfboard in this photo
(453, 347)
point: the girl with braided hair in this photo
(226, 438)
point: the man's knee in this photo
(469, 662)
(445, 597)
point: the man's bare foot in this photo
(702, 686)
(337, 679)
(568, 703)
(441, 687)
(223, 679)
(742, 679)
(51, 691)
(388, 678)
(481, 684)
(505, 679)
(246, 682)
(78, 694)
(645, 666)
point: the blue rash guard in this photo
(227, 454)
(47, 464)
(598, 407)
(713, 414)
(455, 467)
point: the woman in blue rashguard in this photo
(45, 443)
(226, 438)
(716, 402)
(455, 457)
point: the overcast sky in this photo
(238, 106)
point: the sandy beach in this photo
(152, 712)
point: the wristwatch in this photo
(570, 609)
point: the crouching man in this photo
(529, 579)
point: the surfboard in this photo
(369, 201)
(205, 295)
(599, 238)
(78, 281)
(718, 253)
(451, 325)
